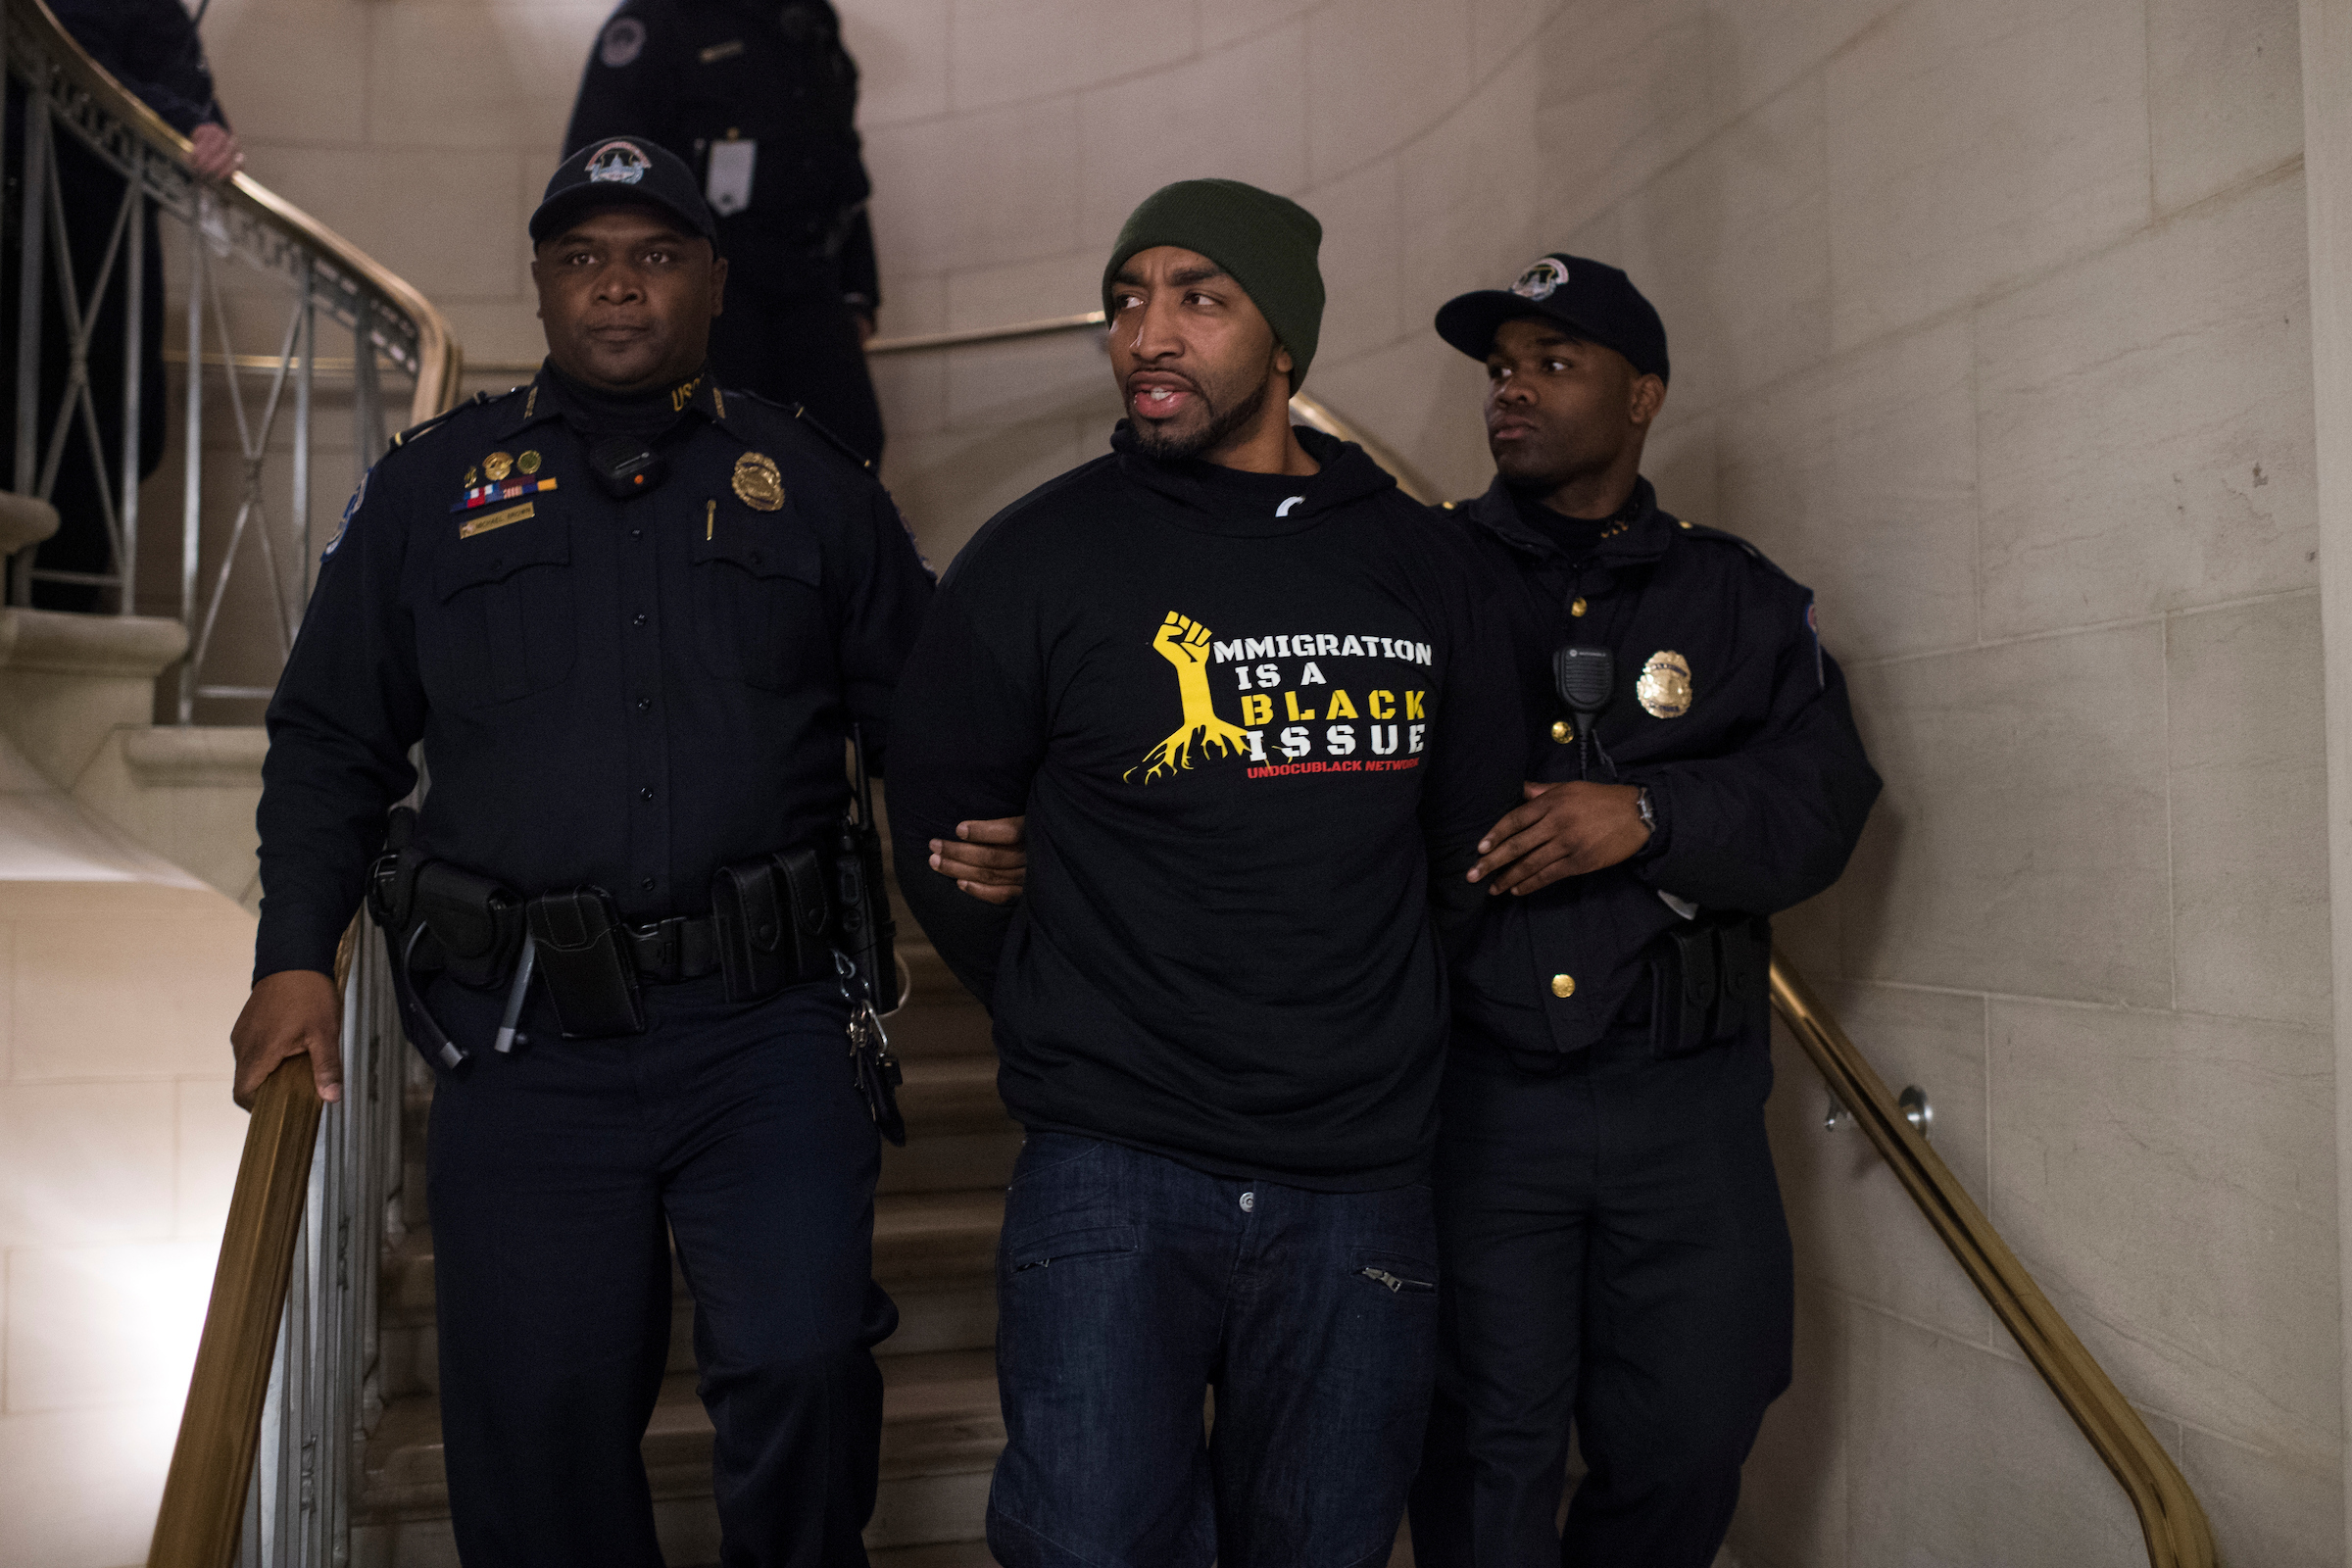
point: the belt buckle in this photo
(658, 941)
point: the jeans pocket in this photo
(1046, 1154)
(1070, 1247)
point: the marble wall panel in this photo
(1625, 95)
(2249, 896)
(372, 196)
(1365, 303)
(1857, 1232)
(1731, 246)
(1500, 29)
(1224, 20)
(477, 76)
(86, 1162)
(1973, 142)
(902, 49)
(979, 190)
(1467, 194)
(1680, 461)
(1067, 284)
(1377, 74)
(1757, 47)
(2282, 1510)
(2020, 845)
(1235, 114)
(1042, 379)
(951, 484)
(209, 1140)
(1421, 398)
(80, 1487)
(248, 44)
(2225, 93)
(999, 54)
(111, 985)
(1957, 1457)
(93, 1326)
(2145, 421)
(1859, 479)
(2170, 1182)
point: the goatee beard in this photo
(1171, 448)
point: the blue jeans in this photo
(1128, 1285)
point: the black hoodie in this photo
(1257, 731)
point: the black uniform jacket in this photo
(1760, 787)
(629, 692)
(691, 73)
(151, 47)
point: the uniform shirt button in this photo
(647, 884)
(1560, 731)
(644, 793)
(636, 533)
(638, 619)
(1248, 1202)
(1577, 606)
(1563, 986)
(644, 703)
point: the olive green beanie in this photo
(1267, 242)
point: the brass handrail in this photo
(434, 357)
(2171, 1519)
(203, 1508)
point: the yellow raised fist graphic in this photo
(1184, 643)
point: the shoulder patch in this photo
(359, 498)
(446, 415)
(623, 42)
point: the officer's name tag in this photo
(496, 520)
(728, 188)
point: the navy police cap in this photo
(1592, 300)
(619, 170)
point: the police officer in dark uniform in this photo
(759, 97)
(1615, 1257)
(632, 618)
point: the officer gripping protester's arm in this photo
(1610, 1228)
(760, 100)
(1242, 691)
(632, 618)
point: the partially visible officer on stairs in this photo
(760, 99)
(632, 618)
(1614, 1255)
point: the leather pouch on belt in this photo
(775, 923)
(475, 926)
(584, 957)
(1713, 982)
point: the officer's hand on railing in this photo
(213, 152)
(988, 859)
(291, 1014)
(1563, 830)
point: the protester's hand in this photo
(1563, 830)
(988, 859)
(213, 151)
(293, 1013)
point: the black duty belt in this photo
(675, 949)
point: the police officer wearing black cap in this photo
(1614, 1256)
(760, 100)
(632, 619)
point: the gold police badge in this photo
(1665, 685)
(758, 482)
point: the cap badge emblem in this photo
(497, 465)
(1665, 685)
(759, 484)
(617, 162)
(1540, 282)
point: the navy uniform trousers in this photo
(559, 1177)
(1614, 1261)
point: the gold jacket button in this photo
(1577, 607)
(1559, 729)
(1563, 986)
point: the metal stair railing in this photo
(236, 222)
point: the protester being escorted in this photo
(633, 618)
(1240, 689)
(762, 101)
(153, 49)
(1615, 1257)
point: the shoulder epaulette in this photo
(809, 422)
(1699, 530)
(475, 401)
